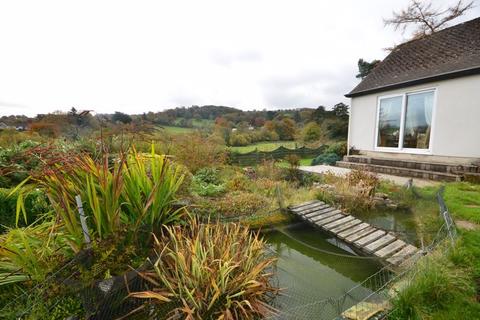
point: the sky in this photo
(140, 56)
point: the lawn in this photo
(463, 200)
(266, 146)
(177, 130)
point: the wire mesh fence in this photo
(109, 298)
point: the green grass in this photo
(266, 146)
(446, 284)
(177, 130)
(463, 200)
(303, 162)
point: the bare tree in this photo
(425, 17)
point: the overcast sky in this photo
(136, 56)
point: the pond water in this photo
(312, 266)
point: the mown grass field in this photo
(266, 146)
(178, 130)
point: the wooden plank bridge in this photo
(362, 236)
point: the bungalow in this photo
(418, 111)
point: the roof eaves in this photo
(441, 76)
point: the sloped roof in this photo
(448, 53)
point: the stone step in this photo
(404, 172)
(413, 164)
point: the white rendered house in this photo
(422, 102)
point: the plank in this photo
(311, 215)
(328, 209)
(346, 226)
(377, 244)
(324, 215)
(334, 224)
(322, 222)
(303, 204)
(348, 232)
(320, 210)
(311, 209)
(403, 254)
(390, 249)
(309, 206)
(360, 234)
(369, 238)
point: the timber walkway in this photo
(362, 236)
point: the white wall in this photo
(456, 122)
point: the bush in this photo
(234, 204)
(196, 151)
(209, 271)
(326, 158)
(206, 183)
(35, 202)
(338, 148)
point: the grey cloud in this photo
(226, 59)
(308, 89)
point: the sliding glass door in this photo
(405, 121)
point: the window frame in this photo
(400, 147)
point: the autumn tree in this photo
(121, 117)
(311, 132)
(426, 18)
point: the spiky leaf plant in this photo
(209, 271)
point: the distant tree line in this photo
(235, 126)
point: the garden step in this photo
(413, 164)
(390, 249)
(398, 171)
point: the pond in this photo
(312, 266)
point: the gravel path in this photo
(343, 171)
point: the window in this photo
(389, 118)
(405, 121)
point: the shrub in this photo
(209, 271)
(196, 151)
(234, 204)
(293, 160)
(366, 182)
(206, 182)
(238, 182)
(326, 158)
(339, 148)
(137, 192)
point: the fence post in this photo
(83, 219)
(279, 198)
